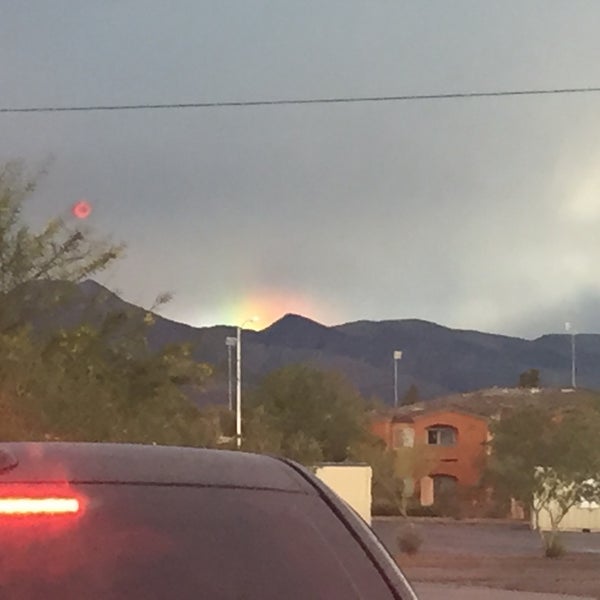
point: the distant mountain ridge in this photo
(439, 360)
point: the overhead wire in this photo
(296, 101)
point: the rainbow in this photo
(267, 306)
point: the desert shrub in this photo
(382, 507)
(553, 546)
(409, 540)
(448, 504)
(416, 510)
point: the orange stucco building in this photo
(458, 438)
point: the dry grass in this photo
(576, 574)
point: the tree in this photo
(78, 386)
(395, 471)
(547, 459)
(412, 463)
(94, 379)
(520, 443)
(411, 396)
(58, 253)
(307, 408)
(556, 497)
(260, 432)
(386, 487)
(529, 379)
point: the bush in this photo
(553, 546)
(382, 507)
(409, 540)
(422, 511)
(448, 504)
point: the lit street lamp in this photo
(238, 395)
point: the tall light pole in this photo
(573, 364)
(397, 357)
(230, 342)
(238, 390)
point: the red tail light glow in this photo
(39, 506)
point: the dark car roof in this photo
(137, 463)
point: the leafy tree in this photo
(556, 497)
(546, 459)
(260, 432)
(386, 487)
(57, 253)
(411, 396)
(520, 443)
(78, 387)
(303, 448)
(529, 379)
(308, 407)
(395, 471)
(93, 379)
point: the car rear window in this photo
(152, 541)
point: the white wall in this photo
(584, 515)
(578, 518)
(352, 483)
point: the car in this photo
(126, 521)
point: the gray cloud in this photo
(476, 213)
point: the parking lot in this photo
(431, 591)
(496, 560)
(489, 538)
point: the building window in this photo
(441, 435)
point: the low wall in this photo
(351, 482)
(577, 519)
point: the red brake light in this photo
(39, 506)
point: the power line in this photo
(280, 102)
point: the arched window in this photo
(441, 435)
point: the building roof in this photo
(422, 412)
(490, 403)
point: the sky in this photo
(475, 213)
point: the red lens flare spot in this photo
(82, 209)
(39, 506)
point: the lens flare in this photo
(82, 209)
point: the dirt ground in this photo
(574, 574)
(497, 555)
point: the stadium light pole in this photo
(230, 342)
(397, 357)
(573, 363)
(238, 394)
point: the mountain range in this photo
(437, 359)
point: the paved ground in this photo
(490, 539)
(457, 558)
(432, 591)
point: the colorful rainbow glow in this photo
(268, 306)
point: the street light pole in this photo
(238, 389)
(230, 342)
(573, 367)
(397, 357)
(573, 363)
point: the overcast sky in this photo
(473, 213)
